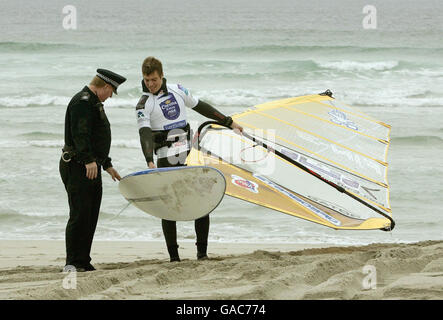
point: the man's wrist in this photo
(227, 121)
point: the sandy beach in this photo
(141, 270)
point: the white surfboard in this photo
(175, 193)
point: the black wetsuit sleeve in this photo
(107, 163)
(81, 131)
(205, 109)
(147, 143)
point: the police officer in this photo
(86, 151)
(163, 126)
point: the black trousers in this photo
(84, 197)
(170, 227)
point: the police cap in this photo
(111, 78)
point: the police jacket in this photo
(87, 129)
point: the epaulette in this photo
(85, 96)
(141, 103)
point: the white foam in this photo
(248, 97)
(49, 100)
(119, 143)
(121, 102)
(46, 143)
(345, 65)
(131, 144)
(38, 100)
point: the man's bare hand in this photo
(114, 174)
(237, 128)
(151, 165)
(91, 170)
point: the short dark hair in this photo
(151, 64)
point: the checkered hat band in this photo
(115, 84)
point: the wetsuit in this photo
(87, 139)
(159, 116)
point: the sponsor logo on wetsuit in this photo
(175, 125)
(140, 114)
(170, 108)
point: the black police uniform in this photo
(88, 137)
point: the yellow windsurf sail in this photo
(311, 157)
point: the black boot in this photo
(90, 267)
(173, 253)
(201, 251)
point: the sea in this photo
(384, 57)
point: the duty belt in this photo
(68, 153)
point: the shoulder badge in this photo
(141, 103)
(85, 96)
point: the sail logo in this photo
(340, 118)
(243, 183)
